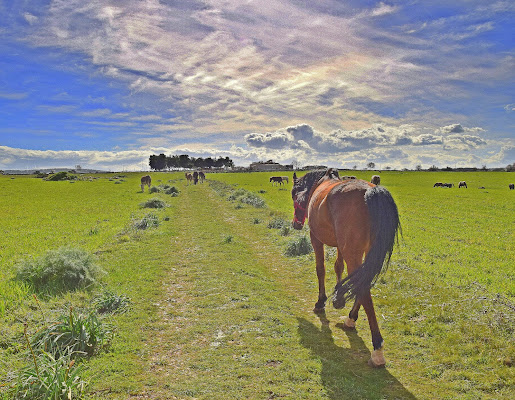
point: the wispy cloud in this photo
(385, 78)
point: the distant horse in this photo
(346, 178)
(276, 180)
(511, 186)
(285, 178)
(359, 219)
(145, 180)
(188, 176)
(438, 184)
(462, 184)
(195, 177)
(376, 180)
(201, 177)
(448, 185)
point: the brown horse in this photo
(145, 180)
(188, 176)
(361, 220)
(195, 177)
(201, 177)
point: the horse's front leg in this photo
(318, 247)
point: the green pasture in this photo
(218, 311)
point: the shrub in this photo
(299, 247)
(60, 270)
(74, 335)
(49, 378)
(253, 200)
(285, 230)
(154, 203)
(148, 221)
(154, 189)
(172, 190)
(277, 223)
(110, 302)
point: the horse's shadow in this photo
(345, 373)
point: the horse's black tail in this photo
(384, 227)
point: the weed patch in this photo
(49, 378)
(60, 270)
(154, 202)
(299, 247)
(148, 221)
(74, 335)
(110, 302)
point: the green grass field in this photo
(218, 311)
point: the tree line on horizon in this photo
(161, 162)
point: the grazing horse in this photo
(145, 180)
(376, 180)
(201, 177)
(462, 184)
(438, 184)
(511, 186)
(195, 177)
(188, 176)
(448, 185)
(276, 180)
(361, 220)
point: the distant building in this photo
(312, 167)
(269, 166)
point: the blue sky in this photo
(104, 84)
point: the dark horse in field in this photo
(276, 180)
(145, 180)
(361, 220)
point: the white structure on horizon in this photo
(269, 166)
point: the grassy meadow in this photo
(219, 311)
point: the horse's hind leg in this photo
(318, 247)
(350, 321)
(377, 357)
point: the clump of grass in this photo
(172, 190)
(110, 302)
(277, 223)
(74, 335)
(246, 197)
(148, 221)
(298, 247)
(256, 221)
(154, 189)
(60, 270)
(49, 378)
(285, 230)
(154, 202)
(228, 239)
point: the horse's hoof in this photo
(349, 324)
(318, 310)
(377, 359)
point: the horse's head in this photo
(301, 191)
(299, 194)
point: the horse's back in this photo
(338, 212)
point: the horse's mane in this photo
(306, 183)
